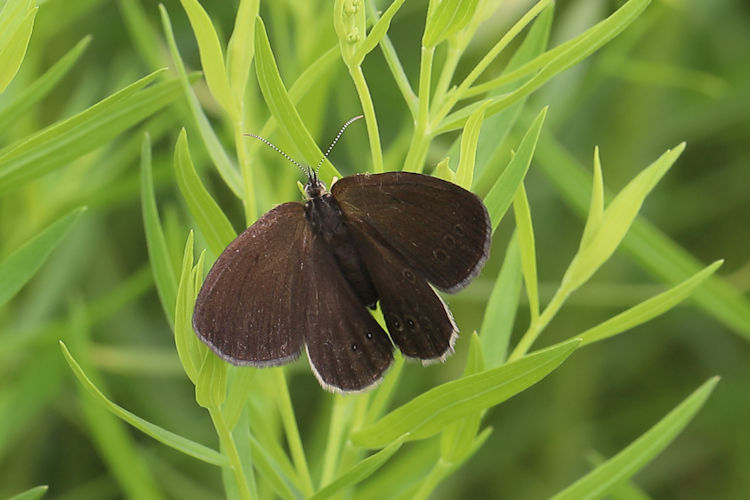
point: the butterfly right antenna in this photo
(335, 140)
(305, 170)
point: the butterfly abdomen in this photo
(325, 219)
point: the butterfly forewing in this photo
(348, 349)
(418, 320)
(441, 230)
(248, 310)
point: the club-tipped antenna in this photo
(335, 140)
(305, 170)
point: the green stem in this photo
(369, 111)
(336, 430)
(292, 432)
(536, 327)
(421, 139)
(394, 64)
(460, 92)
(447, 72)
(227, 444)
(437, 474)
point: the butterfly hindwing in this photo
(248, 310)
(348, 349)
(418, 320)
(440, 229)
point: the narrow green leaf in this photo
(31, 94)
(648, 309)
(31, 494)
(19, 267)
(281, 105)
(62, 142)
(211, 221)
(361, 471)
(499, 198)
(528, 249)
(211, 54)
(241, 48)
(457, 438)
(211, 386)
(13, 52)
(164, 436)
(596, 483)
(496, 128)
(224, 165)
(616, 221)
(446, 19)
(443, 170)
(189, 349)
(500, 312)
(377, 33)
(651, 249)
(469, 138)
(560, 60)
(272, 471)
(156, 243)
(428, 413)
(596, 207)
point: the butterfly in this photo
(305, 275)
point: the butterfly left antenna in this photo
(305, 170)
(335, 140)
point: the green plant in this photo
(428, 433)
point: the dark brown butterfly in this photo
(306, 274)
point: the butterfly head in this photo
(315, 188)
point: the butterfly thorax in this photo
(326, 221)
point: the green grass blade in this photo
(57, 145)
(574, 53)
(27, 98)
(596, 483)
(360, 471)
(281, 105)
(161, 262)
(648, 309)
(616, 221)
(19, 267)
(430, 412)
(211, 221)
(189, 349)
(596, 206)
(241, 47)
(499, 198)
(14, 50)
(164, 436)
(212, 56)
(469, 139)
(446, 19)
(377, 33)
(31, 494)
(224, 165)
(500, 312)
(526, 244)
(650, 247)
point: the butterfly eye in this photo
(411, 323)
(354, 347)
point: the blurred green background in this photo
(680, 73)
